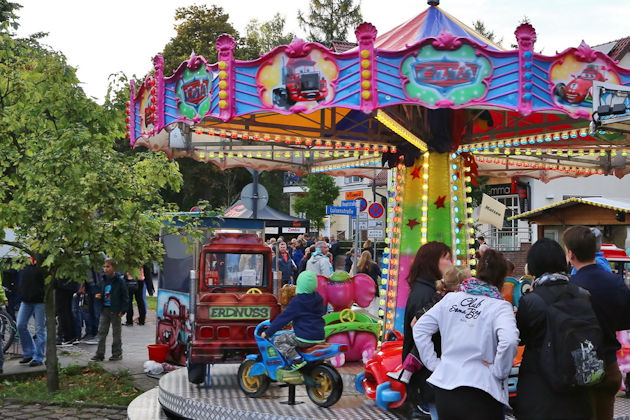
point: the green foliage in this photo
(89, 384)
(480, 27)
(261, 38)
(330, 20)
(68, 195)
(273, 181)
(197, 29)
(322, 191)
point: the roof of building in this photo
(616, 49)
(617, 204)
(343, 46)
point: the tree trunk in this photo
(52, 373)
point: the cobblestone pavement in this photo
(35, 411)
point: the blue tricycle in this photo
(323, 383)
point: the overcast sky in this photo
(103, 37)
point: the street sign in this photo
(376, 210)
(348, 211)
(376, 224)
(363, 203)
(375, 233)
(348, 203)
(363, 216)
(362, 225)
(351, 195)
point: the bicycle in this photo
(8, 329)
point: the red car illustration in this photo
(580, 88)
(302, 82)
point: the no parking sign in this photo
(362, 203)
(376, 210)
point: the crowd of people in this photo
(320, 255)
(85, 310)
(462, 338)
(460, 332)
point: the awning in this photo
(617, 204)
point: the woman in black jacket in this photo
(432, 260)
(536, 400)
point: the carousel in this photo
(431, 100)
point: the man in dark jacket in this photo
(31, 281)
(306, 311)
(611, 302)
(115, 299)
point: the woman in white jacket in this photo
(479, 340)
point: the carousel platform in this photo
(225, 400)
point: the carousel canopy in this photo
(430, 83)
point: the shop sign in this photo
(353, 195)
(271, 231)
(293, 230)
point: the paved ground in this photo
(135, 340)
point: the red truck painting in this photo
(301, 81)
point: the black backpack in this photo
(569, 354)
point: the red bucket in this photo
(157, 352)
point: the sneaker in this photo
(297, 364)
(66, 343)
(25, 360)
(128, 324)
(97, 358)
(93, 340)
(75, 341)
(115, 358)
(84, 337)
(35, 363)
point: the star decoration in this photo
(439, 203)
(412, 223)
(416, 172)
(460, 225)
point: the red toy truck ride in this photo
(232, 295)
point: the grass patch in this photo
(90, 384)
(152, 302)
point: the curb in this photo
(77, 404)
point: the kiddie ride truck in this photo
(301, 81)
(231, 296)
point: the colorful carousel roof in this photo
(429, 24)
(431, 83)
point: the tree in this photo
(480, 27)
(65, 192)
(197, 30)
(261, 38)
(330, 20)
(322, 191)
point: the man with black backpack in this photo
(610, 298)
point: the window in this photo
(353, 180)
(240, 270)
(507, 237)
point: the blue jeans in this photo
(30, 348)
(92, 314)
